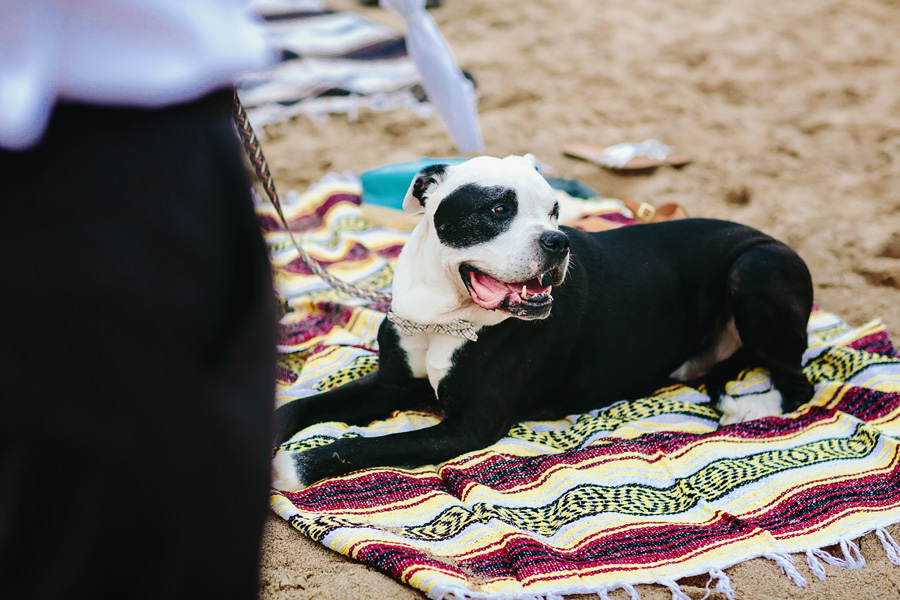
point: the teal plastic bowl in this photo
(387, 185)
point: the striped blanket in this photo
(645, 491)
(332, 62)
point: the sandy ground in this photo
(791, 110)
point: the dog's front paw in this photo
(749, 408)
(287, 472)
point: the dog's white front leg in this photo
(284, 472)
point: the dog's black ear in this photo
(424, 181)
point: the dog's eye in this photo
(500, 209)
(554, 214)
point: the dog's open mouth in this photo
(527, 299)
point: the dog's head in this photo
(495, 221)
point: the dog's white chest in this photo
(430, 355)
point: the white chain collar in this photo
(456, 327)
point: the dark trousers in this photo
(137, 348)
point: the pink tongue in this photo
(489, 293)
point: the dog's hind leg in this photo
(770, 293)
(725, 371)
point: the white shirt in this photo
(140, 53)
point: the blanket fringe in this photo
(723, 584)
(677, 594)
(814, 565)
(891, 547)
(852, 559)
(786, 562)
(852, 555)
(830, 559)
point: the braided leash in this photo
(258, 160)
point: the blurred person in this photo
(137, 321)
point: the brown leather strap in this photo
(642, 211)
(647, 213)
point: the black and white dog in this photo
(632, 309)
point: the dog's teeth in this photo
(524, 293)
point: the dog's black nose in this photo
(554, 242)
